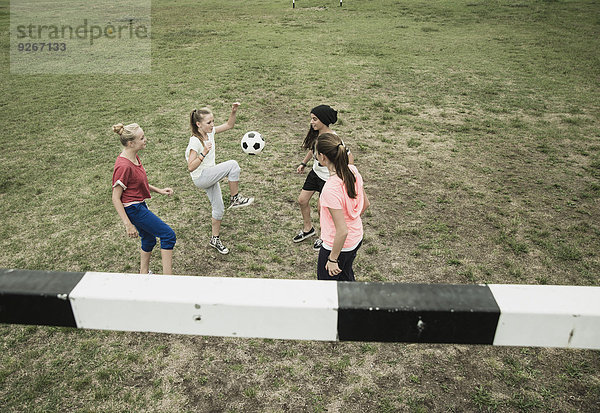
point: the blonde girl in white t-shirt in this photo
(206, 173)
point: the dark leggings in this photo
(345, 260)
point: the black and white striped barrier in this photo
(506, 315)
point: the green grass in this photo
(475, 126)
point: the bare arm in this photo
(230, 121)
(307, 158)
(162, 191)
(116, 200)
(366, 204)
(341, 232)
(195, 160)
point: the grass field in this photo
(475, 124)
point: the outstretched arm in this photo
(162, 191)
(231, 121)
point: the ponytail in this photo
(332, 147)
(196, 116)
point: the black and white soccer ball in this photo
(253, 143)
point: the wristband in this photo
(203, 156)
(302, 163)
(335, 261)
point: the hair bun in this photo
(118, 128)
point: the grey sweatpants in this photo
(209, 181)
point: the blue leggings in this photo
(149, 227)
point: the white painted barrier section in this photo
(548, 316)
(230, 307)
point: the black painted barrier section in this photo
(37, 297)
(440, 313)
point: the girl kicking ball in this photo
(206, 173)
(320, 118)
(343, 201)
(130, 190)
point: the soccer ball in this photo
(253, 143)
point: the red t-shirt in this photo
(132, 178)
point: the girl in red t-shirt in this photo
(130, 190)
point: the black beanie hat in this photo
(325, 113)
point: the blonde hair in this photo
(126, 133)
(196, 116)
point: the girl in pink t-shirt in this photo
(343, 201)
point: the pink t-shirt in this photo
(132, 178)
(335, 196)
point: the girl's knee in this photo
(303, 201)
(148, 244)
(168, 240)
(234, 170)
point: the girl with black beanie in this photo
(321, 117)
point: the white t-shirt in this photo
(209, 159)
(321, 171)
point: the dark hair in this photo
(327, 115)
(330, 145)
(310, 139)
